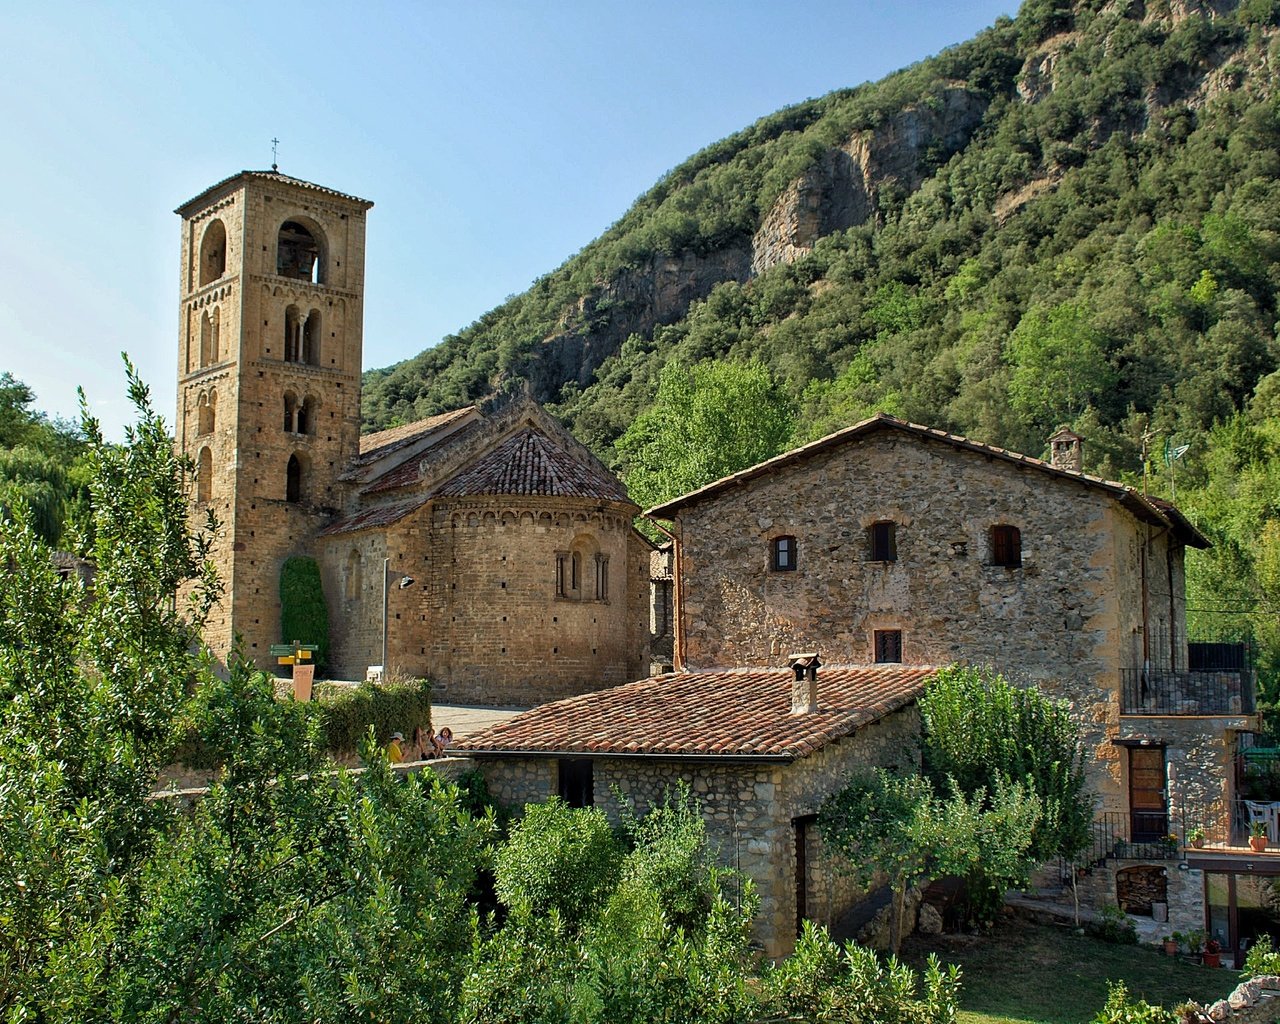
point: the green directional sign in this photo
(290, 654)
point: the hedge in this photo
(346, 712)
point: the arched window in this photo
(571, 566)
(292, 335)
(213, 252)
(204, 476)
(602, 577)
(293, 480)
(206, 339)
(882, 541)
(298, 253)
(205, 413)
(353, 575)
(1006, 546)
(307, 416)
(215, 324)
(782, 554)
(290, 412)
(311, 339)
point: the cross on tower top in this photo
(274, 143)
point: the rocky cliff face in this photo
(840, 190)
(635, 302)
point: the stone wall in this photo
(751, 810)
(245, 377)
(1067, 620)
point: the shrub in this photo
(1120, 1010)
(1116, 927)
(347, 712)
(1262, 958)
(558, 858)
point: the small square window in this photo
(783, 556)
(883, 540)
(888, 644)
(1006, 546)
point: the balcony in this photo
(1211, 679)
(1201, 832)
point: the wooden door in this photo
(1148, 804)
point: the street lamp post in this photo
(402, 583)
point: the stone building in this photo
(889, 542)
(758, 750)
(484, 547)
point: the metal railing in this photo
(1135, 836)
(1202, 677)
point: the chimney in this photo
(804, 687)
(1066, 450)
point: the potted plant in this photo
(1170, 945)
(1195, 837)
(1258, 836)
(1212, 953)
(1195, 940)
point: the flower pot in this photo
(1214, 959)
(1258, 844)
(1197, 843)
(1171, 948)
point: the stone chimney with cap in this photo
(1066, 450)
(804, 687)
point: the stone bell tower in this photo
(269, 357)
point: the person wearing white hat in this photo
(394, 753)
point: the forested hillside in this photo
(1072, 218)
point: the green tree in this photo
(899, 827)
(706, 422)
(980, 731)
(1059, 365)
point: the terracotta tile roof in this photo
(275, 176)
(728, 712)
(409, 472)
(383, 442)
(529, 462)
(369, 518)
(1145, 508)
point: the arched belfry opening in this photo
(292, 335)
(311, 339)
(293, 479)
(213, 252)
(204, 476)
(206, 411)
(299, 253)
(209, 326)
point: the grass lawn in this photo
(1033, 974)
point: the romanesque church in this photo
(484, 548)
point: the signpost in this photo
(298, 655)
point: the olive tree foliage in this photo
(1002, 790)
(899, 828)
(90, 686)
(980, 729)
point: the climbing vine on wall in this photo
(304, 616)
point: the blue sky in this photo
(495, 138)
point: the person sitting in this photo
(424, 746)
(444, 741)
(394, 753)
